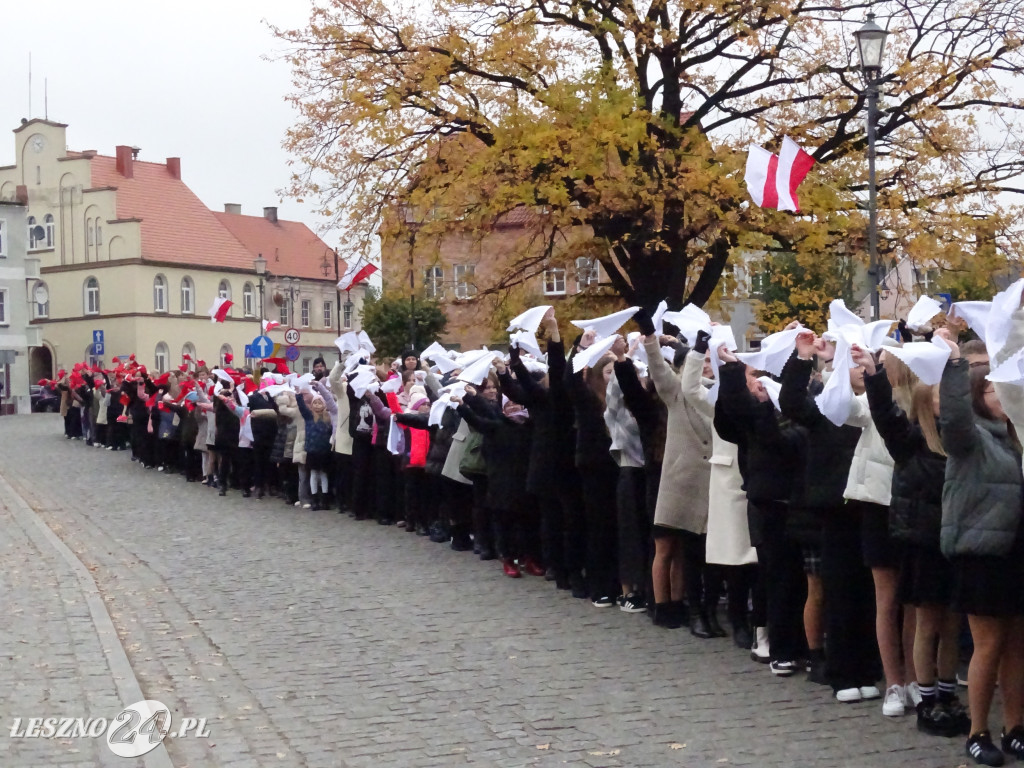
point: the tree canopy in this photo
(630, 119)
(385, 318)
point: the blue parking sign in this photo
(97, 348)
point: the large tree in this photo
(629, 119)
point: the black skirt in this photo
(317, 460)
(990, 586)
(926, 577)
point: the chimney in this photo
(125, 161)
(174, 167)
(21, 194)
(270, 213)
(235, 208)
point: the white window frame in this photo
(51, 230)
(161, 357)
(328, 313)
(305, 308)
(224, 292)
(5, 302)
(285, 312)
(592, 268)
(348, 310)
(248, 300)
(433, 282)
(3, 238)
(553, 277)
(225, 349)
(188, 348)
(40, 311)
(90, 293)
(160, 294)
(188, 304)
(31, 237)
(307, 365)
(465, 287)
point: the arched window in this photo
(189, 349)
(89, 233)
(187, 296)
(50, 230)
(32, 241)
(159, 294)
(160, 358)
(225, 350)
(248, 300)
(92, 296)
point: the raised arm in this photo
(694, 393)
(666, 381)
(956, 411)
(901, 437)
(794, 400)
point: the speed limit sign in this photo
(291, 336)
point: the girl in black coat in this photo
(915, 518)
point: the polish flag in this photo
(772, 180)
(219, 310)
(269, 325)
(357, 271)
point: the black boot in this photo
(666, 615)
(699, 625)
(714, 626)
(223, 487)
(315, 507)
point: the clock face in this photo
(38, 143)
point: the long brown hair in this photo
(902, 380)
(922, 411)
(978, 386)
(595, 377)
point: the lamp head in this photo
(871, 46)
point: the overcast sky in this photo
(184, 79)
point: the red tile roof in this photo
(290, 247)
(176, 226)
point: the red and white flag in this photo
(269, 325)
(358, 270)
(772, 180)
(219, 310)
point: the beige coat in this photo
(728, 530)
(686, 471)
(339, 388)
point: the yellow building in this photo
(127, 249)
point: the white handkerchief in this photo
(365, 343)
(437, 409)
(714, 346)
(974, 313)
(922, 313)
(243, 399)
(392, 386)
(444, 364)
(669, 353)
(689, 320)
(841, 315)
(723, 334)
(396, 437)
(775, 350)
(364, 381)
(275, 389)
(434, 350)
(347, 342)
(1010, 371)
(533, 364)
(526, 341)
(471, 356)
(591, 354)
(223, 375)
(925, 358)
(773, 388)
(640, 353)
(529, 320)
(836, 398)
(659, 313)
(476, 372)
(875, 333)
(356, 359)
(605, 326)
(1000, 319)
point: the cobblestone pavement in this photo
(309, 639)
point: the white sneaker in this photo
(759, 651)
(846, 695)
(895, 701)
(870, 692)
(912, 695)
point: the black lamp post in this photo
(260, 265)
(871, 46)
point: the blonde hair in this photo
(922, 412)
(902, 380)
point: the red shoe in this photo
(532, 568)
(511, 569)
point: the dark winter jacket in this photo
(440, 438)
(264, 430)
(915, 511)
(228, 426)
(593, 442)
(318, 433)
(506, 449)
(981, 498)
(829, 448)
(648, 410)
(554, 444)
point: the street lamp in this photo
(260, 265)
(871, 46)
(291, 284)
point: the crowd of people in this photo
(666, 475)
